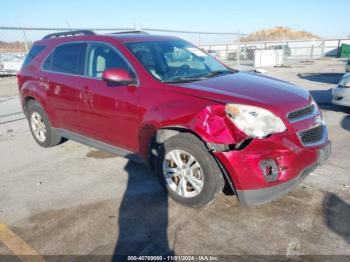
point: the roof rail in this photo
(69, 33)
(131, 32)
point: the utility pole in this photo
(238, 48)
(25, 41)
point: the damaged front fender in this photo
(214, 127)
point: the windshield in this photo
(176, 61)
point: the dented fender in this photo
(210, 123)
(213, 126)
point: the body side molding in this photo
(100, 145)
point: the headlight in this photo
(345, 81)
(254, 121)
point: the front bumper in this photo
(265, 195)
(262, 196)
(341, 96)
(294, 162)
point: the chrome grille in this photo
(312, 136)
(301, 113)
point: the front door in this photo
(108, 113)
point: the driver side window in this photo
(101, 57)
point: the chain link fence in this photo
(291, 51)
(226, 46)
(19, 39)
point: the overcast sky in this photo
(324, 18)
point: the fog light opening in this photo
(269, 169)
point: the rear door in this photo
(108, 113)
(63, 70)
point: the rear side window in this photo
(33, 53)
(67, 58)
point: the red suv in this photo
(165, 102)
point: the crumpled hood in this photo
(248, 88)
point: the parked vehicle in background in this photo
(233, 54)
(163, 101)
(213, 53)
(10, 64)
(250, 52)
(286, 48)
(341, 93)
(245, 53)
(347, 67)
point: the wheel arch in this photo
(26, 101)
(160, 136)
(33, 91)
(164, 133)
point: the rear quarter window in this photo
(48, 62)
(33, 53)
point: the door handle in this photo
(43, 79)
(88, 95)
(44, 82)
(86, 88)
(85, 94)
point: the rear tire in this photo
(187, 171)
(40, 126)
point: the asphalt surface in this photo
(75, 200)
(10, 109)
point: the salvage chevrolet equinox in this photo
(167, 103)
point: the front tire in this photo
(40, 126)
(187, 171)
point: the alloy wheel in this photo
(183, 174)
(38, 126)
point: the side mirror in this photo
(118, 76)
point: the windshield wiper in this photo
(200, 77)
(184, 79)
(219, 72)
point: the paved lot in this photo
(10, 109)
(8, 86)
(73, 199)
